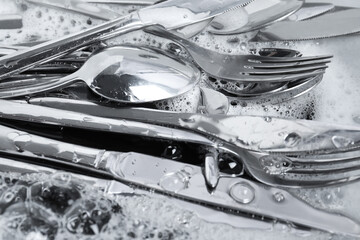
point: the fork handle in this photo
(41, 87)
(45, 52)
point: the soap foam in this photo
(333, 100)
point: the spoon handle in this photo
(45, 52)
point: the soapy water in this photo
(62, 206)
(333, 100)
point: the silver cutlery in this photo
(79, 7)
(272, 92)
(260, 89)
(171, 14)
(118, 189)
(132, 2)
(212, 102)
(248, 68)
(277, 152)
(261, 13)
(10, 21)
(340, 3)
(346, 23)
(311, 10)
(179, 179)
(125, 74)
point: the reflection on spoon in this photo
(126, 74)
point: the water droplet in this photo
(243, 45)
(175, 181)
(267, 119)
(87, 119)
(73, 224)
(292, 139)
(242, 193)
(217, 25)
(279, 197)
(174, 48)
(61, 179)
(276, 165)
(342, 142)
(8, 196)
(13, 135)
(327, 197)
(357, 119)
(172, 152)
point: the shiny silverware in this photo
(174, 14)
(270, 149)
(79, 7)
(248, 68)
(179, 179)
(125, 74)
(258, 14)
(118, 189)
(321, 27)
(311, 10)
(132, 2)
(10, 21)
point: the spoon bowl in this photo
(127, 74)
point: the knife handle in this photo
(45, 52)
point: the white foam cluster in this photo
(127, 216)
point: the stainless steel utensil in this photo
(179, 179)
(79, 7)
(10, 21)
(171, 14)
(126, 74)
(248, 68)
(311, 10)
(213, 102)
(270, 149)
(133, 2)
(346, 23)
(118, 189)
(261, 13)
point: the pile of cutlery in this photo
(238, 163)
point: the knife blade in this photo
(132, 2)
(155, 173)
(10, 21)
(79, 7)
(311, 10)
(326, 26)
(339, 3)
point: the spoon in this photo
(127, 74)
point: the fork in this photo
(182, 180)
(272, 150)
(248, 68)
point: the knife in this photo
(311, 10)
(246, 132)
(330, 25)
(79, 7)
(132, 2)
(10, 21)
(339, 3)
(182, 180)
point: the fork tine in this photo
(278, 77)
(288, 64)
(285, 70)
(327, 170)
(287, 59)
